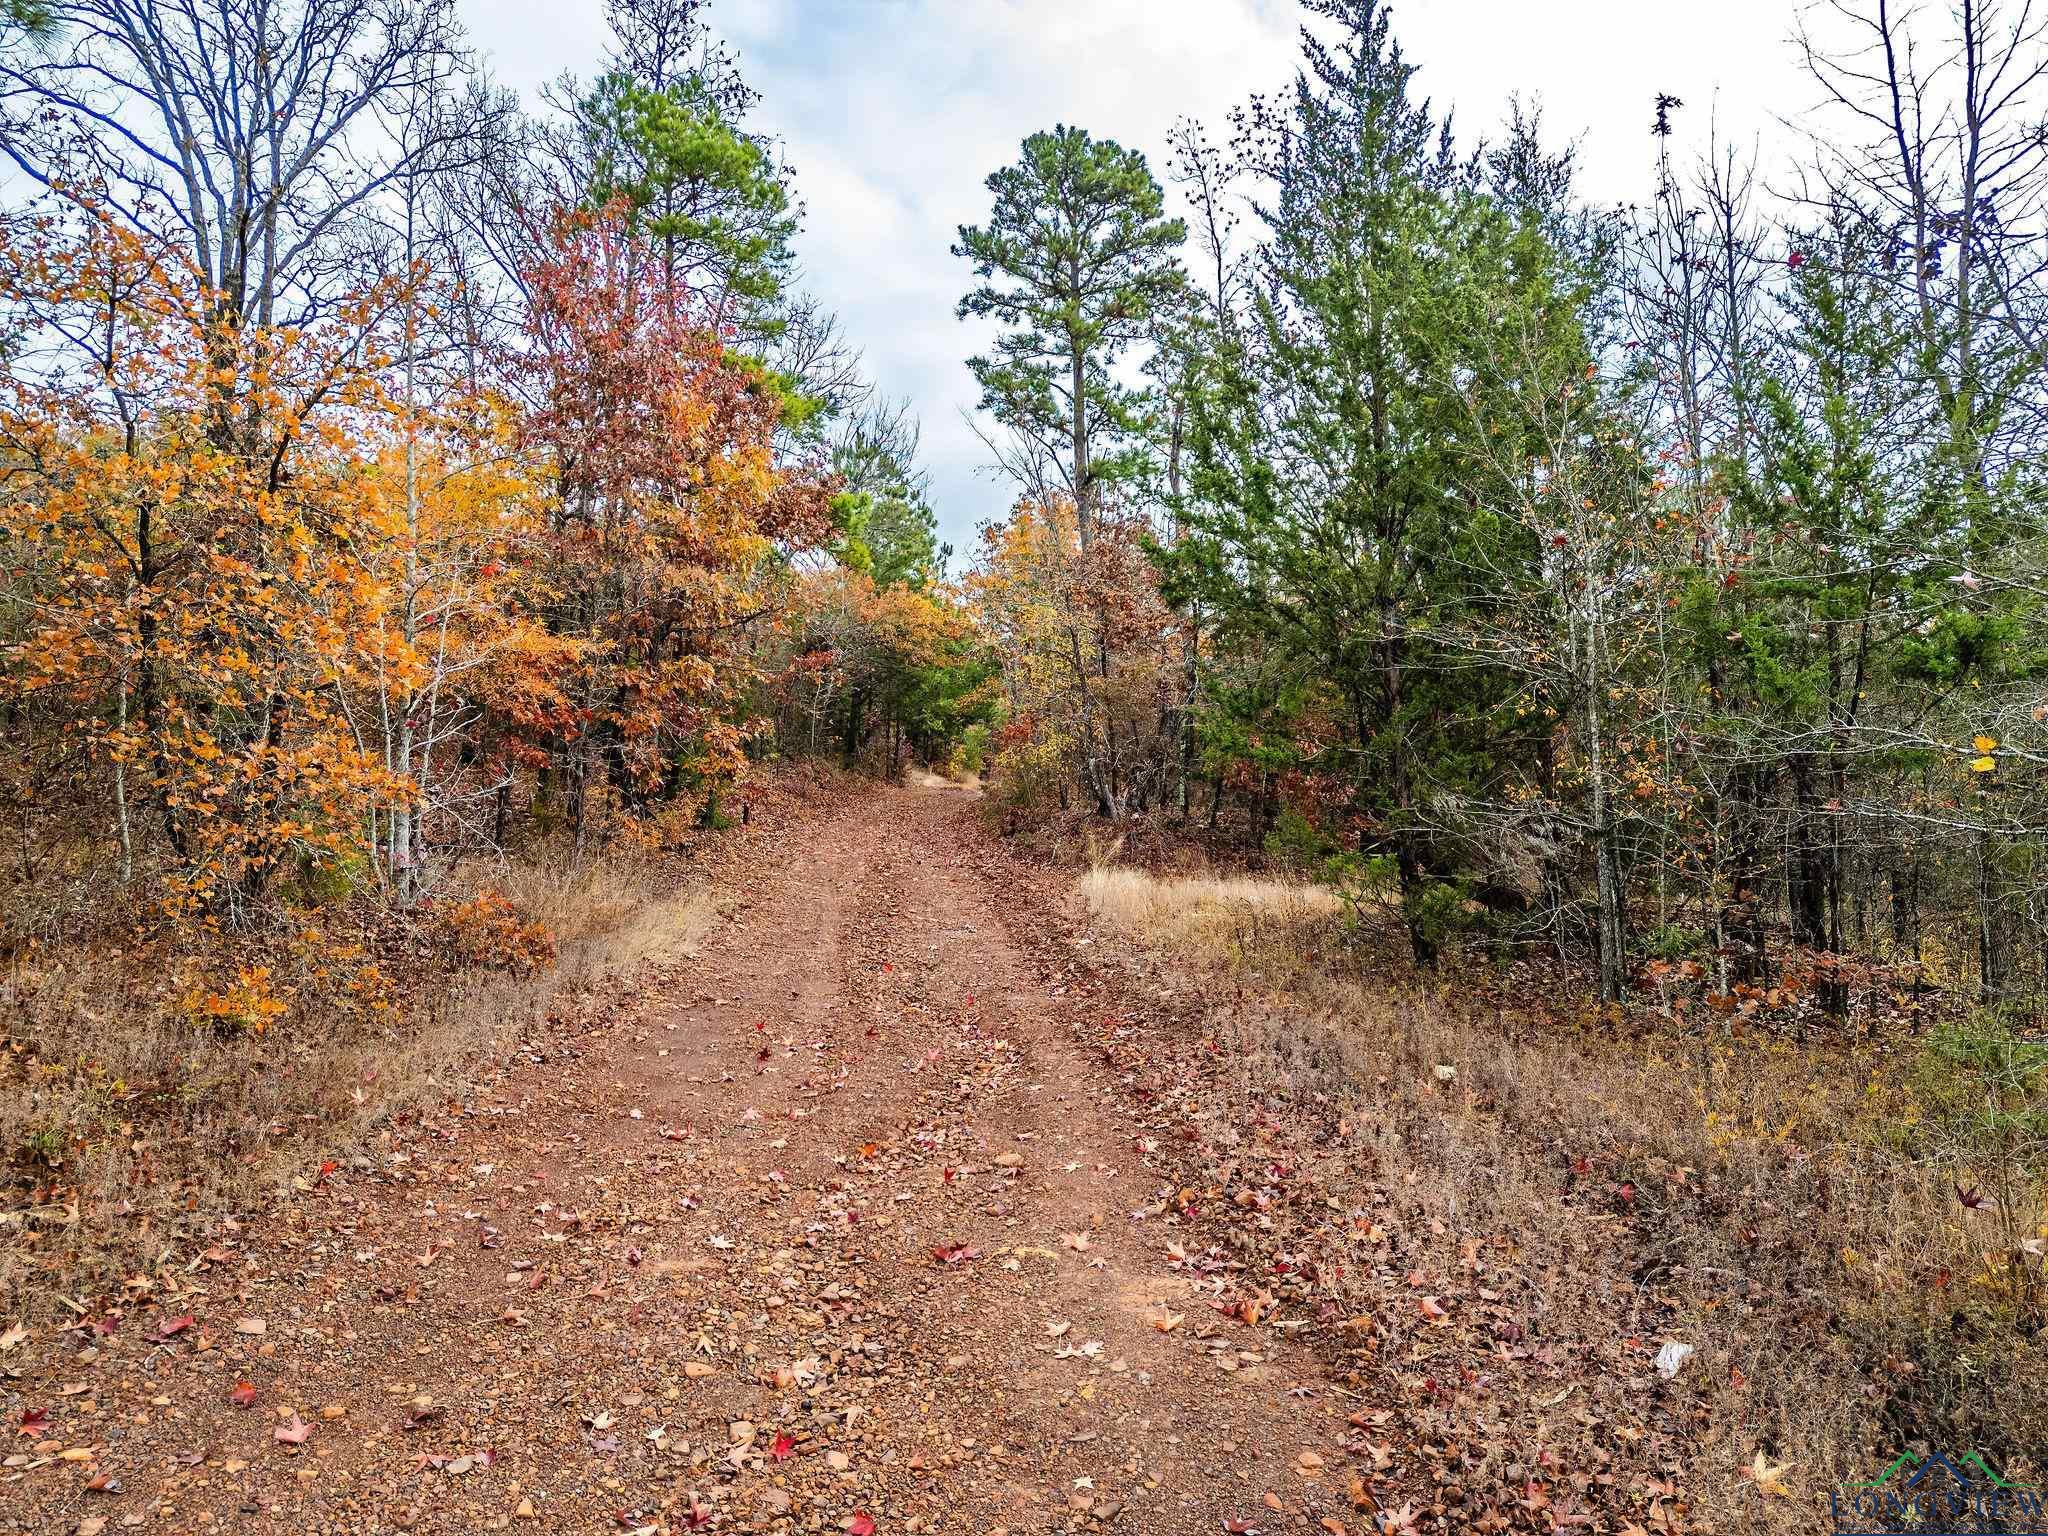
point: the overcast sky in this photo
(893, 112)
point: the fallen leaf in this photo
(1769, 1480)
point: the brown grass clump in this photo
(1589, 1187)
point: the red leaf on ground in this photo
(860, 1525)
(174, 1326)
(36, 1422)
(243, 1395)
(295, 1433)
(783, 1448)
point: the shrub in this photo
(487, 932)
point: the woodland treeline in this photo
(397, 479)
(400, 480)
(1657, 586)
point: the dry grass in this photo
(128, 1126)
(1220, 921)
(917, 777)
(616, 916)
(1763, 1202)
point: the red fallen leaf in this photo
(697, 1514)
(105, 1482)
(35, 1422)
(956, 1253)
(783, 1448)
(760, 1026)
(1972, 1198)
(295, 1433)
(172, 1327)
(325, 1169)
(1241, 1527)
(762, 1054)
(887, 967)
(860, 1524)
(244, 1394)
(633, 1256)
(947, 1175)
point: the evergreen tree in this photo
(1076, 258)
(712, 197)
(1329, 513)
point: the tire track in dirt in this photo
(839, 1225)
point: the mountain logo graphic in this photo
(1966, 1470)
(1939, 1495)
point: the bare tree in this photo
(259, 134)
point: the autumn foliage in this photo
(288, 628)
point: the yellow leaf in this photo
(1769, 1480)
(1986, 743)
(1983, 764)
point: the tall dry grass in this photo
(1771, 1204)
(1224, 920)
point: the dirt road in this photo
(836, 1227)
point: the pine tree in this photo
(1076, 258)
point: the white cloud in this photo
(894, 111)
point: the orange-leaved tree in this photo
(667, 526)
(185, 515)
(1092, 659)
